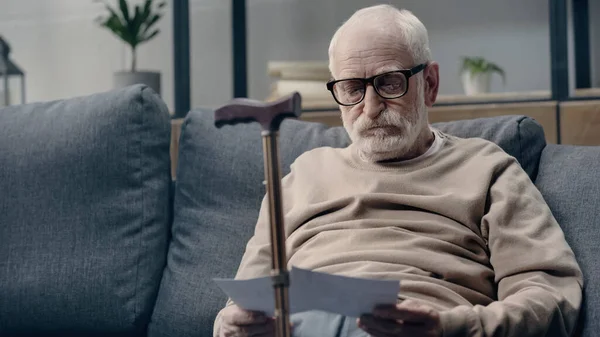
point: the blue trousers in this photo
(323, 324)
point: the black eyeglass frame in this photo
(406, 72)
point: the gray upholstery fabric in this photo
(218, 195)
(83, 214)
(569, 181)
(520, 136)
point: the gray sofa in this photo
(96, 240)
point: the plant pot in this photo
(150, 78)
(476, 84)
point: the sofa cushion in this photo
(83, 213)
(219, 192)
(217, 197)
(519, 136)
(568, 180)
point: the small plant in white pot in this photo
(134, 28)
(476, 73)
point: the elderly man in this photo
(458, 221)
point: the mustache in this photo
(385, 118)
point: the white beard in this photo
(379, 144)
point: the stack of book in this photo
(307, 78)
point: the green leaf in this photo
(136, 23)
(479, 65)
(124, 9)
(154, 19)
(131, 27)
(152, 35)
(130, 24)
(116, 26)
(147, 9)
(112, 12)
(495, 68)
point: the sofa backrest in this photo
(83, 214)
(569, 179)
(218, 194)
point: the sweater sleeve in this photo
(539, 283)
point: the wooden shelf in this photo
(494, 97)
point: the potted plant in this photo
(477, 74)
(134, 28)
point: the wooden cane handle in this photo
(268, 115)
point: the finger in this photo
(266, 334)
(387, 328)
(415, 330)
(273, 331)
(372, 330)
(239, 316)
(408, 311)
(261, 329)
(380, 325)
(267, 328)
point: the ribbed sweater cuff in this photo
(458, 322)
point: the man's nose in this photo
(373, 103)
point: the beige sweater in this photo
(464, 230)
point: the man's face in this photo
(380, 128)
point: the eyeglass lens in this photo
(390, 85)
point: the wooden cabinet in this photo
(174, 150)
(580, 122)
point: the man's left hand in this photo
(408, 318)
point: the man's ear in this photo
(431, 75)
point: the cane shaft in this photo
(278, 254)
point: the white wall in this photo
(512, 33)
(211, 59)
(66, 54)
(56, 43)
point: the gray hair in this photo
(401, 23)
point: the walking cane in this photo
(269, 116)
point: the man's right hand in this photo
(237, 322)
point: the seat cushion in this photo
(218, 195)
(83, 214)
(568, 180)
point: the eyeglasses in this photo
(389, 85)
